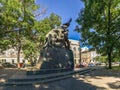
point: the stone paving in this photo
(5, 74)
(100, 79)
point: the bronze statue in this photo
(58, 36)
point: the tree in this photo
(19, 28)
(27, 21)
(17, 22)
(9, 15)
(99, 21)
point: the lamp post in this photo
(79, 52)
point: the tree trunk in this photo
(18, 56)
(109, 60)
(19, 49)
(108, 34)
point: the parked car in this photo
(9, 65)
(81, 65)
(77, 66)
(91, 65)
(98, 63)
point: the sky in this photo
(66, 9)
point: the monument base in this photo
(46, 71)
(53, 60)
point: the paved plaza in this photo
(100, 79)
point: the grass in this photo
(115, 69)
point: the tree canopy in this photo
(19, 28)
(99, 26)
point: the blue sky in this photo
(66, 9)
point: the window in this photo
(13, 61)
(11, 53)
(74, 48)
(3, 60)
(23, 61)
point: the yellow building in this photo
(86, 56)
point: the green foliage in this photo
(116, 55)
(17, 20)
(42, 27)
(115, 69)
(30, 50)
(102, 59)
(19, 28)
(100, 25)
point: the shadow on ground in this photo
(73, 83)
(67, 84)
(115, 85)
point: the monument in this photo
(56, 55)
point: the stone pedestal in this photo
(55, 58)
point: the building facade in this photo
(88, 56)
(85, 56)
(75, 47)
(10, 56)
(93, 55)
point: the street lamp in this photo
(79, 52)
